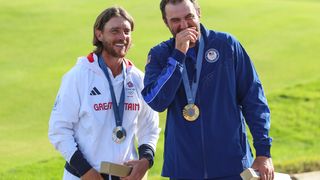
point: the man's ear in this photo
(165, 21)
(98, 34)
(198, 12)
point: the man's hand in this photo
(184, 37)
(139, 169)
(92, 174)
(264, 166)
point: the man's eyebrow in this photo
(189, 15)
(115, 28)
(174, 18)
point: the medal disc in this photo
(119, 134)
(191, 112)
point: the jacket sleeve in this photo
(251, 98)
(148, 126)
(147, 132)
(64, 115)
(162, 81)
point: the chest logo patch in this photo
(130, 84)
(212, 55)
(130, 89)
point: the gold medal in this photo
(190, 112)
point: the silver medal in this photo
(119, 134)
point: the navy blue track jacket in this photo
(229, 94)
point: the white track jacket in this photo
(83, 117)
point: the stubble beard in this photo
(109, 48)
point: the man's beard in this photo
(109, 48)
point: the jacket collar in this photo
(91, 62)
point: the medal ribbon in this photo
(192, 91)
(117, 109)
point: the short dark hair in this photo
(103, 18)
(163, 4)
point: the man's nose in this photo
(122, 35)
(183, 24)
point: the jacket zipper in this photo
(203, 152)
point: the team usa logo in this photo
(212, 55)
